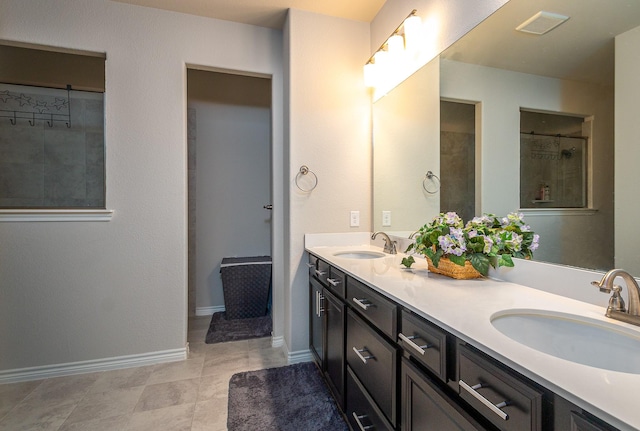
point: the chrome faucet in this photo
(616, 309)
(389, 246)
(413, 234)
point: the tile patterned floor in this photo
(177, 396)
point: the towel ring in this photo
(304, 170)
(430, 176)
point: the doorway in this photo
(457, 158)
(229, 181)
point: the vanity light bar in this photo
(542, 22)
(396, 45)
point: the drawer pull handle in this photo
(363, 358)
(363, 303)
(362, 427)
(319, 309)
(333, 282)
(495, 408)
(320, 273)
(311, 265)
(409, 341)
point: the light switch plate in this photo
(386, 218)
(355, 218)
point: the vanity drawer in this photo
(336, 282)
(374, 361)
(361, 411)
(312, 264)
(377, 309)
(322, 271)
(523, 410)
(425, 342)
(426, 406)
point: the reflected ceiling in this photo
(580, 49)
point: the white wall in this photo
(329, 131)
(406, 136)
(79, 291)
(233, 174)
(501, 94)
(627, 152)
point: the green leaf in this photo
(408, 261)
(480, 262)
(505, 260)
(458, 260)
(435, 256)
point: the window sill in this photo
(558, 211)
(40, 215)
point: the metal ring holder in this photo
(304, 170)
(430, 176)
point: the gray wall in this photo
(80, 291)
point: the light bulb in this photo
(370, 75)
(412, 30)
(395, 45)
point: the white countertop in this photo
(464, 308)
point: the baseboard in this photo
(208, 311)
(277, 341)
(91, 366)
(299, 356)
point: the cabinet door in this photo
(334, 352)
(581, 422)
(374, 361)
(425, 406)
(361, 411)
(316, 321)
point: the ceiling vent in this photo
(542, 22)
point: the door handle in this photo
(267, 207)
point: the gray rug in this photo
(221, 329)
(291, 398)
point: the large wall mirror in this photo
(501, 76)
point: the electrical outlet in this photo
(386, 218)
(355, 218)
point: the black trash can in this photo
(246, 284)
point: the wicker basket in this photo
(453, 270)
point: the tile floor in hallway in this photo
(176, 396)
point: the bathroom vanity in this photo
(405, 349)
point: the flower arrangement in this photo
(483, 241)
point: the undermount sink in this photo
(361, 254)
(574, 338)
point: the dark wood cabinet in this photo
(316, 321)
(392, 369)
(585, 422)
(426, 406)
(334, 345)
(510, 403)
(327, 325)
(374, 362)
(361, 411)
